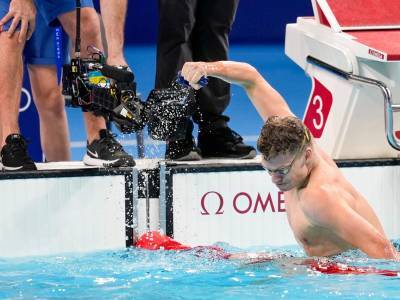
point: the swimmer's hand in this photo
(194, 73)
(180, 80)
(24, 12)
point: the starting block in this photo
(351, 51)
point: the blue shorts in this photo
(44, 48)
(51, 9)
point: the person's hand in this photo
(193, 72)
(24, 12)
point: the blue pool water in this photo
(143, 274)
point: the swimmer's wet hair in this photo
(282, 135)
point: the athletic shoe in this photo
(14, 155)
(107, 152)
(224, 143)
(182, 150)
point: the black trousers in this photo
(196, 30)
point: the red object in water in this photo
(342, 269)
(154, 240)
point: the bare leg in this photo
(113, 14)
(11, 71)
(54, 132)
(90, 32)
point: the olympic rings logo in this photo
(28, 100)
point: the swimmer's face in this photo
(287, 170)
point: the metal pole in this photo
(78, 29)
(140, 143)
(387, 95)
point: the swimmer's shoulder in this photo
(323, 155)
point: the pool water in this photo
(144, 274)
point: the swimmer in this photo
(325, 212)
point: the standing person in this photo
(102, 148)
(17, 22)
(326, 213)
(41, 61)
(197, 30)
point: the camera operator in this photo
(102, 148)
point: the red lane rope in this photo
(343, 269)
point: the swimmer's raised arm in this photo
(264, 97)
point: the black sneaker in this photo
(107, 152)
(14, 155)
(224, 142)
(182, 150)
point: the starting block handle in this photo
(390, 108)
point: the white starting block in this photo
(351, 51)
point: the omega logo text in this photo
(213, 203)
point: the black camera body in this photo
(105, 90)
(110, 92)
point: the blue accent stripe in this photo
(58, 46)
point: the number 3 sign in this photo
(318, 109)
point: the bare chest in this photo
(316, 240)
(302, 229)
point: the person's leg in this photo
(11, 69)
(40, 56)
(210, 42)
(102, 149)
(54, 134)
(90, 36)
(176, 22)
(14, 155)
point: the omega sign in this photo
(214, 203)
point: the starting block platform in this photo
(350, 49)
(67, 207)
